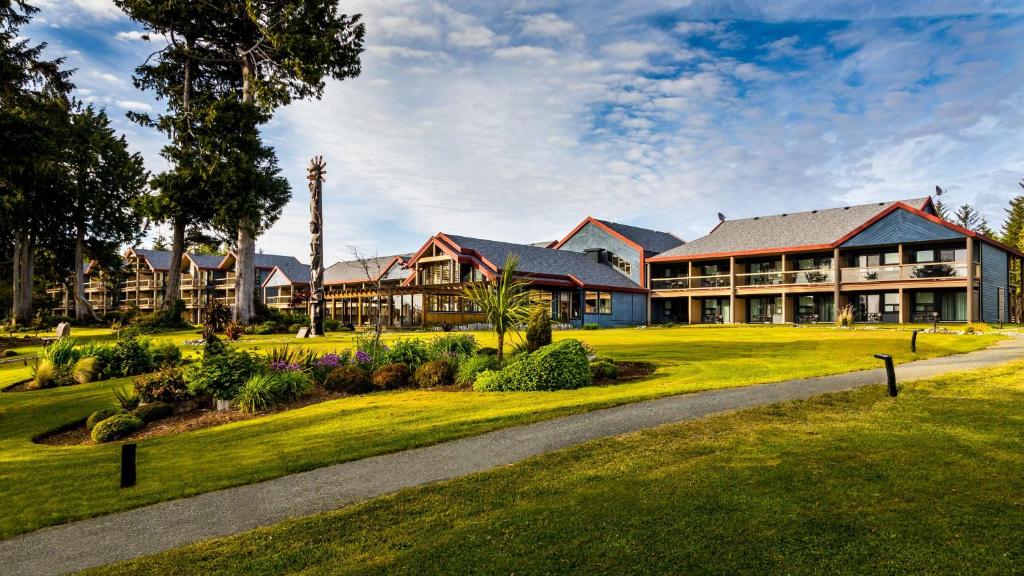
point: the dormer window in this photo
(621, 264)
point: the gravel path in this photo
(157, 527)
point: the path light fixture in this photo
(128, 452)
(913, 341)
(935, 321)
(890, 373)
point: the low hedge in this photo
(116, 427)
(559, 366)
(348, 379)
(434, 374)
(391, 376)
(154, 411)
(99, 416)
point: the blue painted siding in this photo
(628, 309)
(995, 274)
(901, 227)
(591, 236)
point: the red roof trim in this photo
(603, 226)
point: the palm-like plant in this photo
(504, 301)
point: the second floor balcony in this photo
(906, 272)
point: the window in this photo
(891, 302)
(598, 302)
(924, 302)
(924, 256)
(805, 305)
(620, 263)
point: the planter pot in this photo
(223, 405)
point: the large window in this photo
(924, 302)
(621, 263)
(597, 302)
(940, 255)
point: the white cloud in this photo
(67, 11)
(132, 36)
(524, 52)
(134, 105)
(546, 25)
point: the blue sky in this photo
(515, 120)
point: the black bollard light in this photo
(127, 465)
(890, 373)
(913, 341)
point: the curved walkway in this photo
(158, 527)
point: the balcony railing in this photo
(691, 283)
(892, 272)
(278, 300)
(789, 277)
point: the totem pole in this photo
(317, 171)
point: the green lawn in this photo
(44, 485)
(850, 483)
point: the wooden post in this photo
(971, 316)
(647, 281)
(359, 310)
(732, 290)
(138, 278)
(904, 306)
(787, 308)
(836, 282)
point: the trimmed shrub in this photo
(391, 376)
(116, 427)
(473, 366)
(348, 379)
(409, 351)
(166, 385)
(221, 375)
(269, 327)
(154, 411)
(99, 416)
(452, 345)
(559, 366)
(127, 357)
(434, 374)
(294, 328)
(604, 370)
(538, 329)
(166, 354)
(591, 326)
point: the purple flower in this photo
(331, 360)
(282, 366)
(363, 357)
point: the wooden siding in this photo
(628, 309)
(995, 274)
(901, 227)
(591, 236)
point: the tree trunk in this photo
(83, 309)
(16, 278)
(501, 347)
(23, 272)
(173, 289)
(245, 260)
(245, 274)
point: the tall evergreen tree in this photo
(33, 112)
(967, 217)
(1013, 226)
(105, 184)
(940, 207)
(259, 56)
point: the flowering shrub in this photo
(283, 366)
(363, 358)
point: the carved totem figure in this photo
(317, 172)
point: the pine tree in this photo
(253, 58)
(967, 217)
(1013, 226)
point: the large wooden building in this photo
(893, 262)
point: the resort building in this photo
(287, 288)
(582, 287)
(357, 292)
(892, 262)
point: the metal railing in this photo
(891, 272)
(785, 278)
(691, 282)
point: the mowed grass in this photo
(43, 485)
(851, 483)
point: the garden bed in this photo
(197, 419)
(22, 386)
(628, 372)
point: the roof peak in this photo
(912, 202)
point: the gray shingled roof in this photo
(535, 260)
(207, 261)
(353, 271)
(653, 241)
(289, 265)
(158, 259)
(810, 228)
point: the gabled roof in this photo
(814, 229)
(572, 268)
(206, 261)
(651, 242)
(295, 275)
(158, 260)
(352, 271)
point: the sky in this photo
(515, 120)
